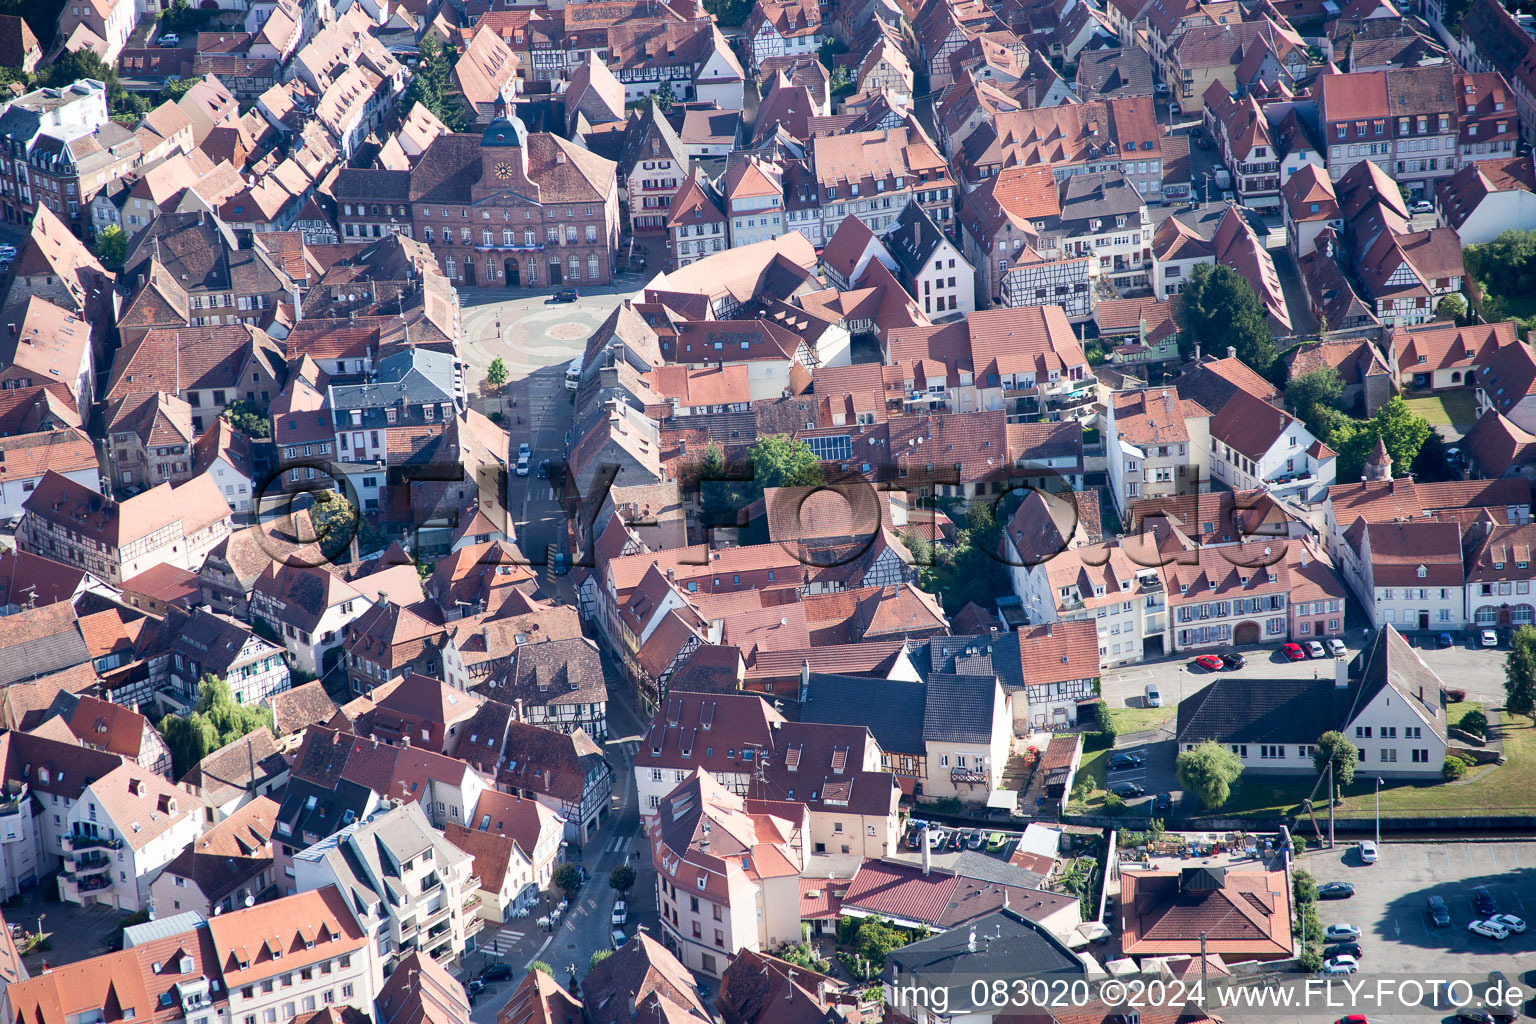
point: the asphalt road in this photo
(587, 925)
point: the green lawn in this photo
(1139, 719)
(1451, 408)
(1454, 712)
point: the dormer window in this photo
(1423, 572)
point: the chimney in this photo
(1341, 674)
(805, 677)
(1231, 352)
(1304, 557)
(927, 852)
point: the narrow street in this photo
(587, 925)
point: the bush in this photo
(540, 965)
(1454, 767)
(598, 956)
(1311, 961)
(1455, 696)
(1311, 927)
(1298, 846)
(1304, 887)
(1474, 722)
(1113, 803)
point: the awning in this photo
(1008, 798)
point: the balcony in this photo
(436, 915)
(469, 905)
(473, 925)
(87, 865)
(472, 883)
(92, 883)
(959, 775)
(73, 842)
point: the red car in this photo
(1209, 662)
(1293, 652)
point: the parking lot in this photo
(1155, 774)
(1390, 904)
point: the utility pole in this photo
(1330, 803)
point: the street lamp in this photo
(1378, 810)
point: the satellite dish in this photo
(250, 901)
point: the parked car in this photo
(1336, 647)
(497, 972)
(1488, 930)
(522, 465)
(618, 937)
(1233, 661)
(1509, 921)
(620, 912)
(1161, 88)
(1154, 695)
(956, 840)
(1335, 891)
(1482, 902)
(1474, 1014)
(169, 39)
(1339, 965)
(567, 295)
(474, 987)
(1488, 638)
(1209, 662)
(996, 841)
(1162, 803)
(1344, 949)
(975, 840)
(1439, 912)
(1315, 649)
(1293, 652)
(1120, 762)
(936, 839)
(1126, 790)
(1368, 852)
(1341, 933)
(1443, 640)
(1423, 206)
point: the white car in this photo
(1154, 696)
(1423, 206)
(1488, 929)
(524, 449)
(1368, 852)
(620, 912)
(1315, 649)
(522, 464)
(1341, 933)
(1336, 647)
(936, 838)
(1342, 964)
(1488, 638)
(1509, 921)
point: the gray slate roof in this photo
(892, 709)
(959, 708)
(415, 376)
(1008, 945)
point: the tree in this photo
(1333, 747)
(1506, 265)
(72, 65)
(877, 937)
(566, 878)
(1218, 308)
(1520, 673)
(779, 460)
(242, 415)
(1402, 431)
(496, 374)
(218, 721)
(621, 879)
(1304, 886)
(1309, 395)
(664, 97)
(540, 965)
(598, 956)
(431, 85)
(839, 80)
(1208, 770)
(335, 520)
(111, 246)
(1474, 722)
(1451, 307)
(919, 547)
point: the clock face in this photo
(502, 170)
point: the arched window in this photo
(1487, 615)
(507, 237)
(1521, 615)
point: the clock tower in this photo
(504, 159)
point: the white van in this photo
(573, 373)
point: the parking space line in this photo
(1515, 850)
